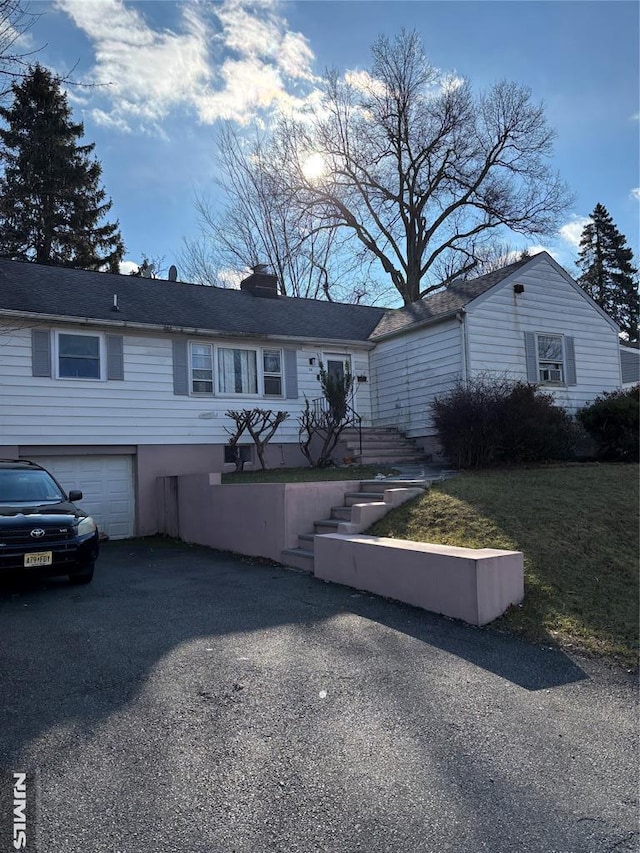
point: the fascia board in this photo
(301, 341)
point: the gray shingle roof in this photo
(89, 295)
(456, 296)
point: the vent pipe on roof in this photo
(115, 306)
(173, 273)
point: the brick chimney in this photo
(261, 282)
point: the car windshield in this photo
(24, 486)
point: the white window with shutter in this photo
(272, 372)
(79, 355)
(550, 359)
(201, 368)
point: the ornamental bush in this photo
(613, 421)
(488, 422)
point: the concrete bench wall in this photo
(476, 586)
(263, 519)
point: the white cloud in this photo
(635, 193)
(452, 82)
(572, 231)
(535, 250)
(363, 82)
(228, 60)
(127, 267)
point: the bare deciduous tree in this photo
(261, 424)
(15, 19)
(418, 168)
(261, 224)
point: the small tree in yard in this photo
(325, 422)
(261, 424)
(240, 419)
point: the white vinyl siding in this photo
(410, 370)
(549, 305)
(142, 409)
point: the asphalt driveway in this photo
(192, 701)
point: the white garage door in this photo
(106, 483)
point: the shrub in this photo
(488, 422)
(322, 422)
(613, 421)
(261, 425)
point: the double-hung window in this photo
(272, 372)
(202, 368)
(78, 356)
(550, 359)
(237, 371)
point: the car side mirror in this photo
(75, 495)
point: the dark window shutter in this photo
(570, 358)
(630, 366)
(115, 357)
(180, 367)
(40, 352)
(291, 374)
(531, 356)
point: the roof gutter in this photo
(184, 330)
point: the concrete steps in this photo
(360, 509)
(382, 445)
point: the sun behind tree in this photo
(52, 206)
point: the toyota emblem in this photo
(37, 533)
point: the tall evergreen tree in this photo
(608, 274)
(52, 206)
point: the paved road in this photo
(190, 701)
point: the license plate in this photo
(41, 558)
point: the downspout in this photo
(464, 344)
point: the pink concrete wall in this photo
(476, 586)
(159, 460)
(257, 519)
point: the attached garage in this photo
(106, 483)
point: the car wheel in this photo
(85, 576)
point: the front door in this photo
(336, 364)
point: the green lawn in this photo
(577, 526)
(305, 475)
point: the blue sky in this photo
(167, 72)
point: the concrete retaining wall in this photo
(476, 586)
(263, 519)
(256, 519)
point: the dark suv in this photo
(41, 529)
